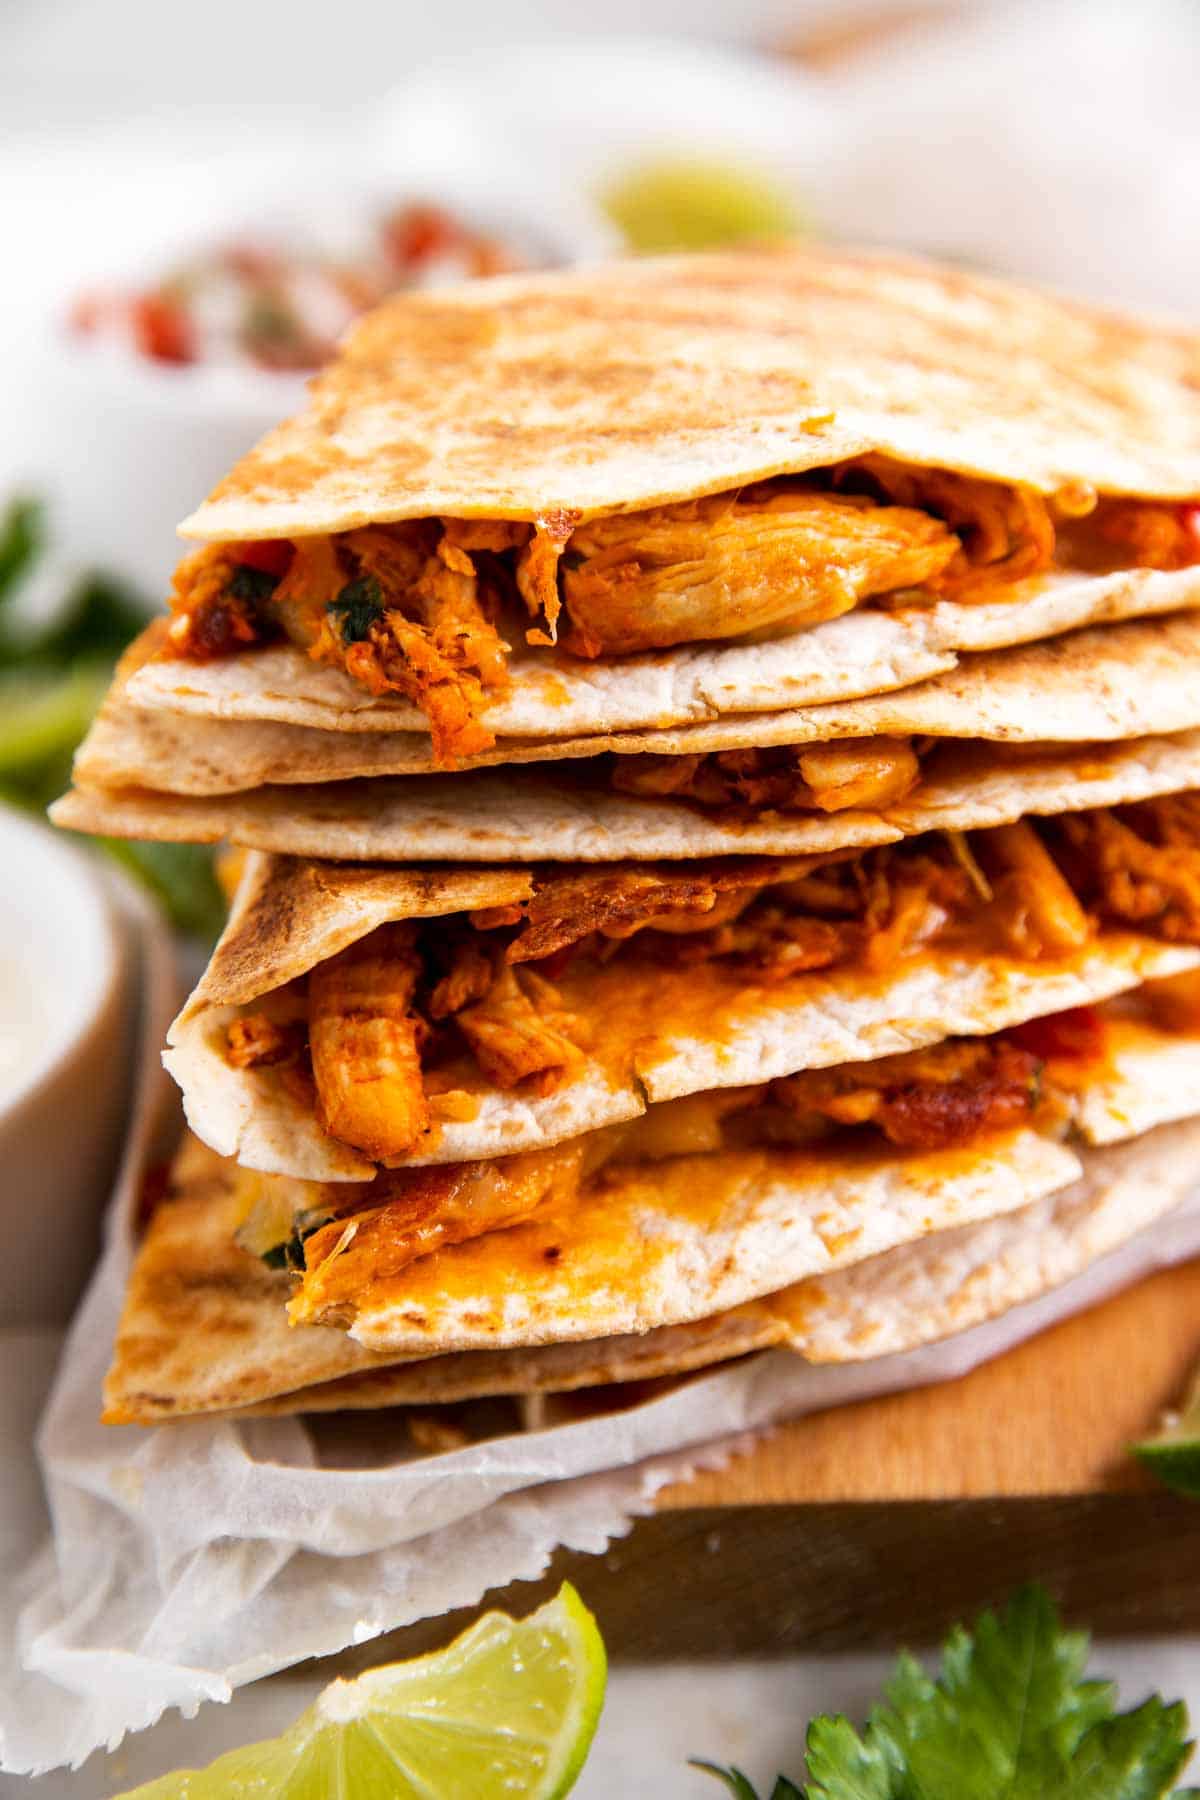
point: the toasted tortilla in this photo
(912, 1295)
(808, 1023)
(288, 915)
(204, 1326)
(866, 652)
(710, 1233)
(1096, 685)
(641, 382)
(205, 1323)
(1152, 1078)
(663, 1032)
(540, 1369)
(482, 817)
(929, 1290)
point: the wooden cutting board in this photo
(885, 1522)
(1054, 1416)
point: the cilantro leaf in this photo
(1010, 1717)
(359, 604)
(740, 1786)
(22, 532)
(181, 878)
(252, 584)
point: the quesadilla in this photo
(931, 1288)
(711, 756)
(499, 495)
(948, 1282)
(1095, 686)
(354, 1017)
(816, 1176)
(867, 652)
(884, 1154)
(480, 817)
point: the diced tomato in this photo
(216, 628)
(252, 262)
(414, 234)
(284, 308)
(1077, 1032)
(88, 312)
(272, 555)
(161, 329)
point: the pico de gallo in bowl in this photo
(259, 301)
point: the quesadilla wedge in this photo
(560, 817)
(205, 1329)
(1097, 685)
(811, 1176)
(651, 456)
(354, 1017)
(955, 1279)
(884, 1152)
(867, 652)
(930, 1288)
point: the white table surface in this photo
(654, 1719)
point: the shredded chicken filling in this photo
(1139, 865)
(405, 1029)
(866, 773)
(428, 608)
(954, 1094)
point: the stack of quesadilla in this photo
(711, 755)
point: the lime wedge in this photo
(1174, 1455)
(674, 205)
(508, 1709)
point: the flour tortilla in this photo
(1152, 1078)
(205, 1323)
(288, 914)
(727, 1035)
(485, 817)
(1096, 685)
(641, 382)
(711, 1232)
(204, 1329)
(668, 1031)
(669, 1350)
(703, 1243)
(204, 1326)
(929, 1290)
(865, 652)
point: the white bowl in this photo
(65, 1022)
(125, 448)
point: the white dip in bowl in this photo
(65, 1017)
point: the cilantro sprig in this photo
(53, 675)
(1010, 1717)
(357, 608)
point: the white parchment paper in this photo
(189, 1559)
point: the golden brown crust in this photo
(202, 1316)
(639, 383)
(291, 913)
